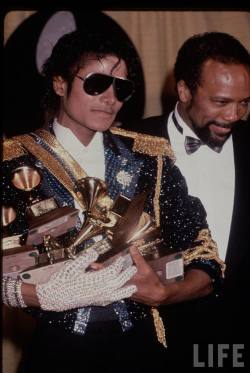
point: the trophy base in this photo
(40, 274)
(170, 268)
(18, 259)
(55, 222)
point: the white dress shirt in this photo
(210, 176)
(91, 157)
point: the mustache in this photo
(222, 125)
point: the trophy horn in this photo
(26, 178)
(92, 192)
(89, 191)
(8, 215)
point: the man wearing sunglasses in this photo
(86, 319)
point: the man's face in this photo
(83, 113)
(219, 101)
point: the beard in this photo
(204, 131)
(207, 136)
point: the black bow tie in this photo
(192, 144)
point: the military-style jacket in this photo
(133, 163)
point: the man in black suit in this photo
(211, 145)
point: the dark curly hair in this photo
(70, 53)
(199, 48)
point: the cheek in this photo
(118, 106)
(204, 111)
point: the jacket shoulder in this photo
(155, 125)
(145, 143)
(12, 149)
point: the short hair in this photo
(199, 48)
(70, 53)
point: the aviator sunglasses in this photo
(96, 83)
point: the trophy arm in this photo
(87, 232)
(145, 225)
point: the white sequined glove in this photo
(72, 286)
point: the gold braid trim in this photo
(50, 162)
(51, 140)
(155, 147)
(159, 326)
(146, 144)
(206, 248)
(12, 149)
(156, 200)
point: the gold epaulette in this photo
(147, 144)
(12, 149)
(206, 248)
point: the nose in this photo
(109, 96)
(233, 113)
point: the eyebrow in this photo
(228, 99)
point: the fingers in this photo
(96, 266)
(138, 259)
(109, 277)
(125, 292)
(102, 277)
(116, 295)
(79, 264)
(122, 278)
(108, 273)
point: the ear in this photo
(184, 93)
(59, 85)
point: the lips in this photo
(103, 111)
(219, 130)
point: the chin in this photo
(103, 128)
(218, 141)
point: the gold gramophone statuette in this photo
(9, 240)
(8, 216)
(98, 220)
(93, 194)
(28, 179)
(15, 256)
(44, 217)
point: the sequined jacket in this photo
(133, 163)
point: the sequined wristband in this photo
(4, 298)
(12, 295)
(18, 293)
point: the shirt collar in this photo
(72, 144)
(187, 131)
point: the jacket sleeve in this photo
(184, 226)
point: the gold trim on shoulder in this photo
(206, 248)
(50, 163)
(52, 141)
(147, 144)
(12, 149)
(155, 147)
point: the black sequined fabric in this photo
(128, 173)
